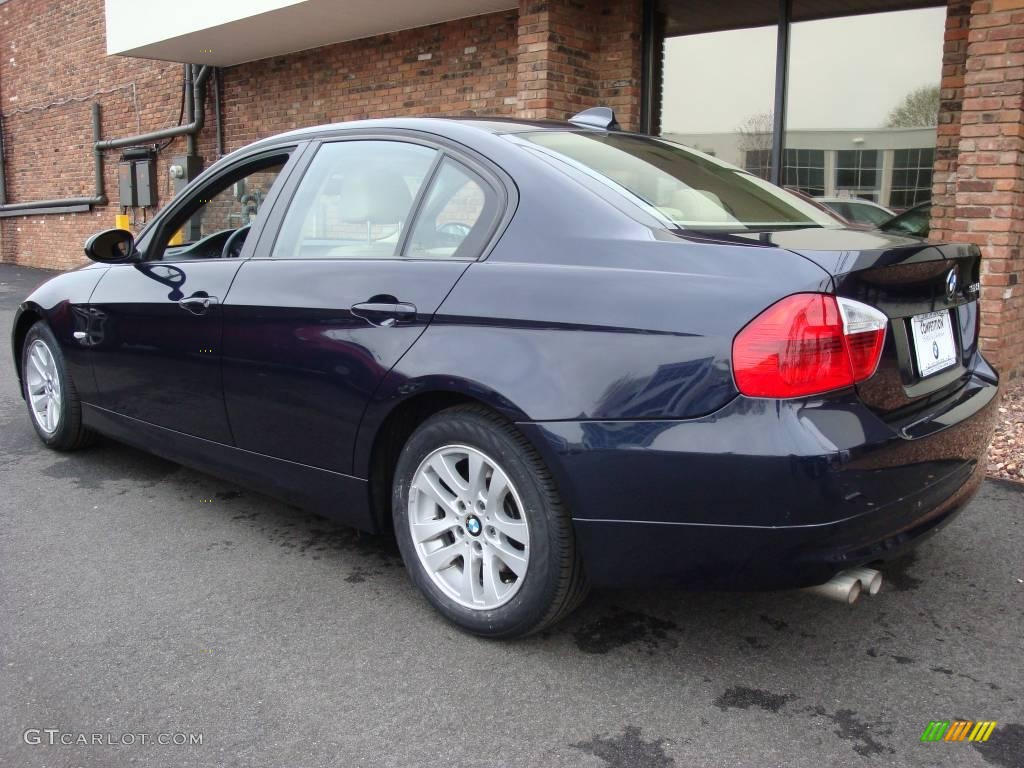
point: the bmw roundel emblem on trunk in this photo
(951, 284)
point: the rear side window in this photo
(454, 212)
(355, 201)
(688, 188)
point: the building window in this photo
(857, 172)
(911, 177)
(758, 162)
(804, 170)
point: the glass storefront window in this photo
(857, 173)
(804, 171)
(912, 177)
(717, 84)
(863, 92)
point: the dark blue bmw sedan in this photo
(541, 355)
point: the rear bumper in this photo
(765, 494)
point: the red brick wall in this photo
(575, 54)
(947, 141)
(979, 193)
(52, 69)
(49, 78)
(547, 59)
(464, 67)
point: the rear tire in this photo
(494, 549)
(53, 403)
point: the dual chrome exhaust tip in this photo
(847, 586)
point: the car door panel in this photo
(157, 358)
(300, 364)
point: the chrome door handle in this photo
(384, 313)
(197, 304)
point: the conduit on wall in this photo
(196, 77)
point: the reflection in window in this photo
(452, 209)
(718, 82)
(758, 162)
(804, 170)
(911, 177)
(863, 92)
(857, 172)
(354, 201)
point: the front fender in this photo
(62, 302)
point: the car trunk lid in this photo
(928, 290)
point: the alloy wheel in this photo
(42, 383)
(468, 527)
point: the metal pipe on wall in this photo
(68, 204)
(216, 110)
(197, 115)
(190, 106)
(3, 180)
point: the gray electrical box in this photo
(136, 183)
(145, 181)
(183, 169)
(126, 184)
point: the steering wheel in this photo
(233, 245)
(454, 229)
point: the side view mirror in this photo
(112, 246)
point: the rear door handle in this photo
(197, 303)
(384, 313)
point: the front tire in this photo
(481, 527)
(53, 403)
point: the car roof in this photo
(855, 200)
(442, 125)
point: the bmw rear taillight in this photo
(806, 344)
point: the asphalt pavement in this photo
(141, 601)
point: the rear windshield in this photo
(688, 188)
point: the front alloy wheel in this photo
(481, 527)
(50, 392)
(42, 385)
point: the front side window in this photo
(355, 201)
(688, 188)
(215, 222)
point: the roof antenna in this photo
(602, 118)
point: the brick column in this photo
(947, 140)
(573, 55)
(988, 203)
